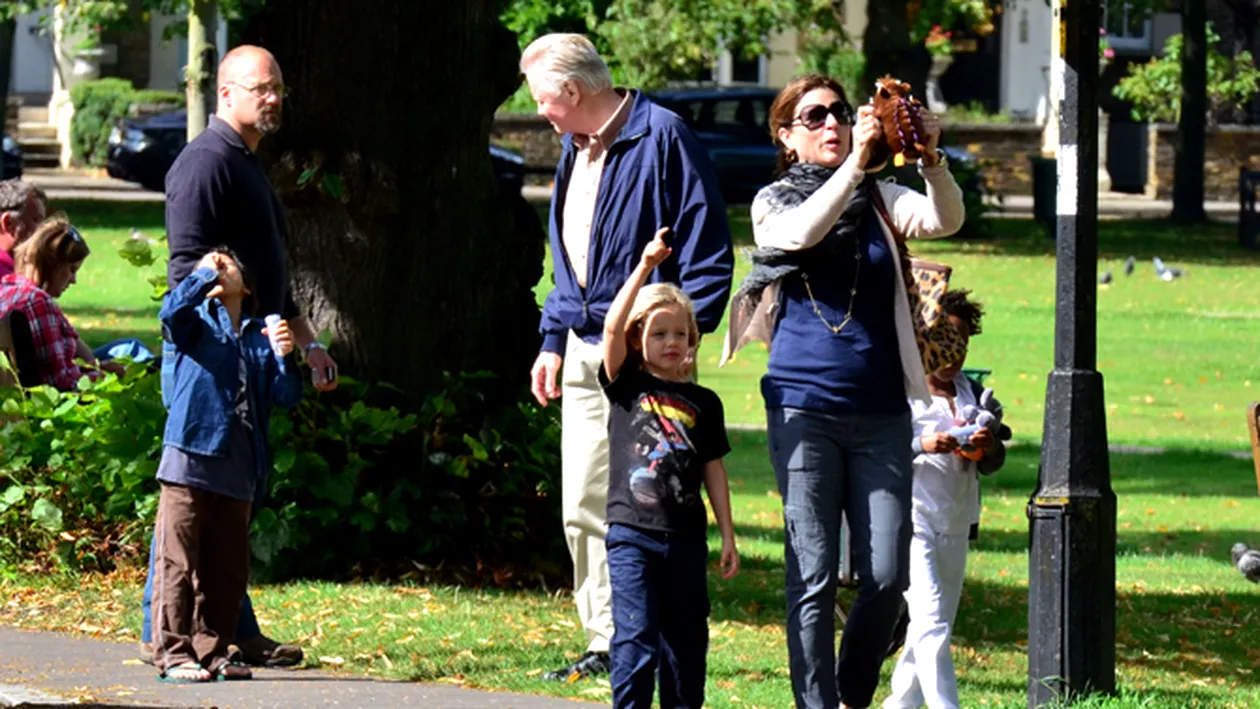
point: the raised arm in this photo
(181, 324)
(793, 227)
(619, 312)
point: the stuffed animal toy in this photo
(987, 415)
(899, 114)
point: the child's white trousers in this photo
(925, 671)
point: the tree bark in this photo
(399, 239)
(8, 31)
(1192, 123)
(886, 44)
(203, 61)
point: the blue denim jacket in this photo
(201, 371)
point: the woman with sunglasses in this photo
(843, 360)
(45, 267)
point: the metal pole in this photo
(1072, 514)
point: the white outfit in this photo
(946, 502)
(936, 214)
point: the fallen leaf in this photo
(334, 661)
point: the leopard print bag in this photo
(940, 343)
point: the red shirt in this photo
(53, 336)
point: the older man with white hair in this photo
(628, 168)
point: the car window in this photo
(741, 116)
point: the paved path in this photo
(39, 669)
(63, 185)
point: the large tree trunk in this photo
(1192, 123)
(886, 44)
(399, 240)
(8, 29)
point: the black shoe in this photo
(589, 665)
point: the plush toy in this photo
(899, 114)
(987, 415)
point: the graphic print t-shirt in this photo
(660, 435)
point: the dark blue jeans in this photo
(246, 622)
(859, 466)
(660, 606)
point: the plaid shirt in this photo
(53, 336)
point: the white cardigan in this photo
(937, 214)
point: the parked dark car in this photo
(732, 123)
(12, 161)
(142, 150)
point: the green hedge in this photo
(357, 486)
(98, 105)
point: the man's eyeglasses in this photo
(264, 90)
(813, 117)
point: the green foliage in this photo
(98, 105)
(76, 470)
(947, 15)
(461, 482)
(353, 484)
(825, 48)
(1154, 88)
(648, 43)
(975, 112)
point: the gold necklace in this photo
(857, 268)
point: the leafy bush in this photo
(974, 112)
(98, 105)
(76, 471)
(460, 483)
(354, 487)
(1154, 88)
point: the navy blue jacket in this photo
(655, 175)
(201, 371)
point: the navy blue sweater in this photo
(855, 371)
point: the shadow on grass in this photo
(1176, 471)
(1195, 634)
(1210, 545)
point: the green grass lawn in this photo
(1179, 359)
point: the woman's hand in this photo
(655, 253)
(932, 129)
(866, 134)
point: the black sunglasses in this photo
(813, 117)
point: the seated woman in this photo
(45, 267)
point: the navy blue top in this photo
(217, 194)
(855, 371)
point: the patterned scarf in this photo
(750, 318)
(788, 192)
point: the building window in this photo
(1128, 28)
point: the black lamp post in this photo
(1072, 514)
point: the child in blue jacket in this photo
(227, 373)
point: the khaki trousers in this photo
(584, 494)
(201, 567)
